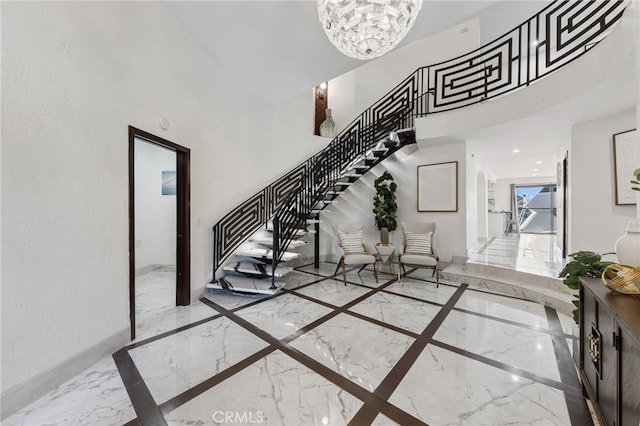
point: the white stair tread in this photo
(298, 233)
(265, 252)
(268, 241)
(247, 285)
(253, 268)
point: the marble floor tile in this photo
(334, 292)
(325, 269)
(366, 277)
(529, 350)
(568, 323)
(422, 290)
(155, 291)
(283, 315)
(400, 311)
(421, 273)
(361, 351)
(529, 313)
(296, 279)
(97, 397)
(276, 390)
(533, 253)
(230, 300)
(178, 362)
(444, 388)
(172, 318)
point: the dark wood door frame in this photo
(183, 234)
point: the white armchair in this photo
(351, 248)
(419, 248)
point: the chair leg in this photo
(344, 272)
(375, 271)
(337, 267)
(437, 272)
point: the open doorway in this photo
(536, 208)
(159, 254)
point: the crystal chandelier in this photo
(366, 29)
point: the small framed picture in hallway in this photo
(625, 161)
(438, 187)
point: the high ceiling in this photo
(277, 50)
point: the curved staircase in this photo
(253, 243)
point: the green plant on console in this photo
(584, 264)
(385, 207)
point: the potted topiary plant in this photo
(584, 264)
(385, 207)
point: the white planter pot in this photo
(628, 246)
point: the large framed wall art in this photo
(438, 187)
(625, 161)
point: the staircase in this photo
(253, 243)
(256, 264)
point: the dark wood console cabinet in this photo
(610, 352)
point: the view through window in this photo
(536, 208)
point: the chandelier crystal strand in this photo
(366, 29)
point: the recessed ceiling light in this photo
(515, 151)
(533, 174)
(538, 162)
(536, 170)
(534, 42)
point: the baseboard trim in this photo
(24, 394)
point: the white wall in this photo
(155, 214)
(75, 75)
(357, 202)
(595, 221)
(482, 213)
(471, 184)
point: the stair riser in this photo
(561, 305)
(511, 275)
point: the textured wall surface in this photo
(595, 221)
(74, 77)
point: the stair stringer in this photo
(372, 157)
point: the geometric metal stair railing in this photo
(554, 37)
(551, 39)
